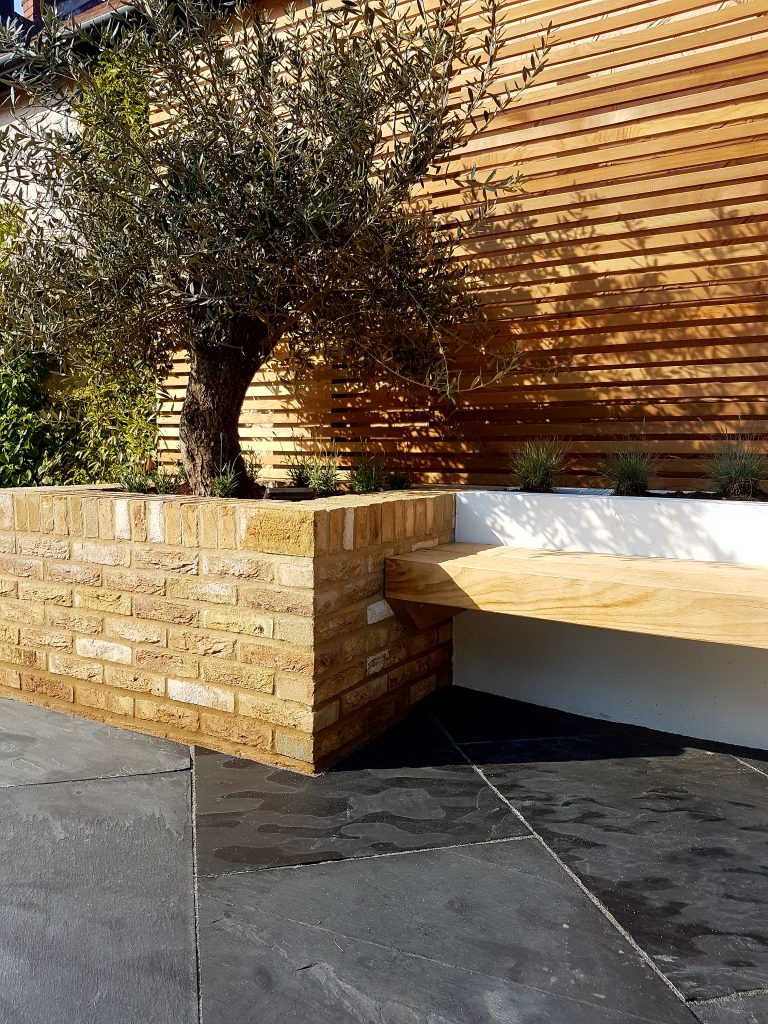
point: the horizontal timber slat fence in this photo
(632, 272)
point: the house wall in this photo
(256, 628)
(632, 271)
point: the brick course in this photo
(255, 628)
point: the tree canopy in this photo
(265, 202)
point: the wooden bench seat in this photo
(712, 601)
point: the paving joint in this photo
(568, 871)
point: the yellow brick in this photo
(362, 695)
(162, 662)
(236, 620)
(204, 644)
(227, 526)
(155, 522)
(37, 637)
(45, 506)
(104, 700)
(60, 515)
(12, 654)
(45, 593)
(277, 599)
(134, 581)
(167, 714)
(237, 730)
(238, 567)
(276, 712)
(172, 522)
(104, 650)
(138, 513)
(128, 678)
(100, 554)
(104, 600)
(189, 525)
(200, 694)
(6, 512)
(106, 522)
(294, 630)
(198, 590)
(43, 547)
(135, 631)
(27, 614)
(166, 611)
(10, 679)
(80, 622)
(294, 744)
(48, 687)
(164, 559)
(65, 572)
(280, 657)
(249, 676)
(77, 668)
(296, 687)
(277, 530)
(29, 568)
(208, 526)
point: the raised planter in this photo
(256, 628)
(715, 692)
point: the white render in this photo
(709, 691)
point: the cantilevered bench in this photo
(720, 603)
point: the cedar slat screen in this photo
(632, 272)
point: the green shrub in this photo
(136, 479)
(225, 483)
(536, 464)
(629, 472)
(323, 474)
(116, 414)
(298, 470)
(738, 466)
(169, 481)
(28, 429)
(368, 476)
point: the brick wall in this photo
(256, 628)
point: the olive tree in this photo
(273, 205)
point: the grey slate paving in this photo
(737, 1010)
(495, 933)
(471, 717)
(673, 840)
(37, 745)
(410, 790)
(96, 903)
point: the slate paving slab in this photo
(39, 746)
(472, 717)
(96, 903)
(409, 790)
(673, 840)
(493, 934)
(744, 1010)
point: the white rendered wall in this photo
(710, 691)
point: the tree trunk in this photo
(219, 378)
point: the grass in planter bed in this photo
(629, 472)
(536, 464)
(739, 467)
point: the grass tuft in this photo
(536, 464)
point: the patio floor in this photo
(487, 861)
